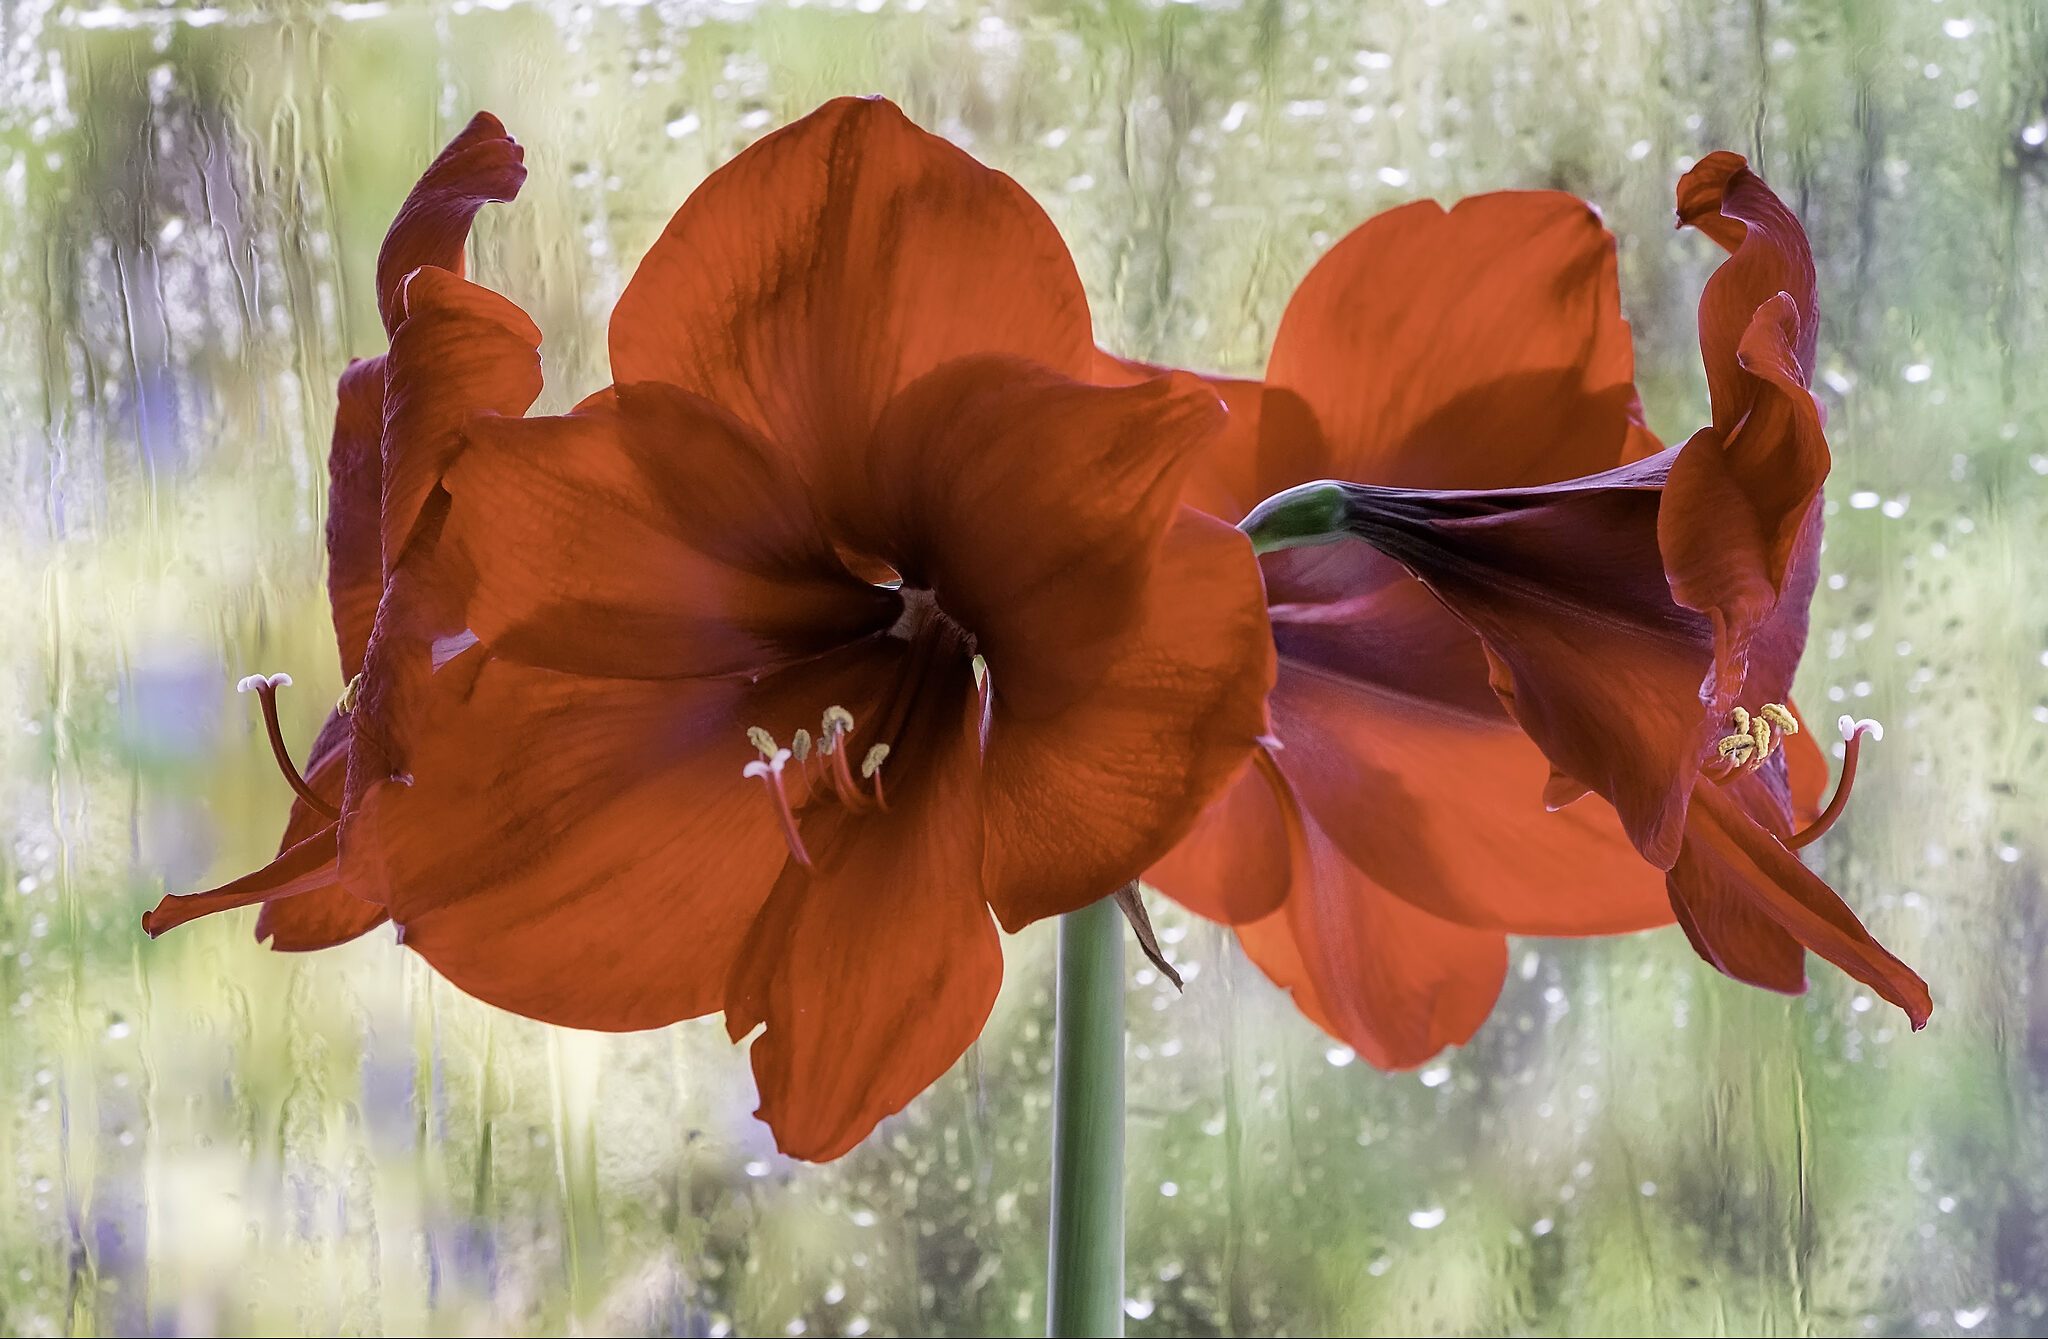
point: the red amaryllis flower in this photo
(1643, 624)
(477, 351)
(1376, 861)
(853, 611)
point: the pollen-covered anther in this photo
(1753, 738)
(838, 722)
(265, 687)
(768, 771)
(762, 740)
(346, 704)
(871, 770)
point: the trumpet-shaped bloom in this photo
(1642, 624)
(854, 611)
(1375, 862)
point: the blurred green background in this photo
(197, 1136)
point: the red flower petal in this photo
(1769, 255)
(833, 263)
(1391, 981)
(874, 970)
(1082, 801)
(304, 868)
(355, 566)
(461, 352)
(1444, 809)
(1480, 347)
(582, 851)
(648, 534)
(1744, 894)
(1564, 589)
(323, 917)
(481, 164)
(1033, 507)
(1741, 520)
(1224, 479)
(1236, 863)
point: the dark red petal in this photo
(1391, 981)
(1224, 480)
(480, 165)
(1589, 653)
(1444, 809)
(462, 351)
(875, 969)
(1480, 347)
(1730, 855)
(1741, 521)
(355, 565)
(1083, 798)
(586, 851)
(304, 868)
(322, 917)
(645, 535)
(1236, 863)
(1769, 255)
(833, 263)
(1034, 507)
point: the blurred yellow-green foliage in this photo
(198, 1136)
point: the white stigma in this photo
(769, 766)
(255, 683)
(1852, 726)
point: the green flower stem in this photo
(1085, 1269)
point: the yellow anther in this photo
(800, 746)
(354, 690)
(761, 740)
(837, 723)
(873, 762)
(1752, 739)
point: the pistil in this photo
(265, 687)
(1853, 731)
(768, 770)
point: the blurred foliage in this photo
(204, 1137)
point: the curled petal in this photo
(481, 164)
(1768, 256)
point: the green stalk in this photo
(1085, 1269)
